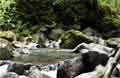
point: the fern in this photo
(113, 4)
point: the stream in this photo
(46, 56)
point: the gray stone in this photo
(5, 50)
(10, 75)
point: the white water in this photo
(3, 69)
(51, 74)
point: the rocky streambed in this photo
(89, 61)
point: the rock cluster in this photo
(18, 70)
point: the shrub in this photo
(7, 14)
(114, 5)
(108, 23)
(35, 11)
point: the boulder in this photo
(94, 35)
(20, 69)
(90, 32)
(113, 42)
(86, 62)
(72, 38)
(5, 49)
(23, 48)
(10, 75)
(84, 47)
(97, 73)
(9, 35)
(21, 51)
(55, 34)
(100, 48)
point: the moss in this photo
(72, 38)
(55, 34)
(5, 50)
(113, 42)
(9, 35)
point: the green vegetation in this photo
(8, 35)
(7, 14)
(29, 17)
(114, 5)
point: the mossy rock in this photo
(113, 42)
(72, 38)
(42, 38)
(5, 49)
(55, 34)
(35, 38)
(9, 35)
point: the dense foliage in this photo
(27, 17)
(7, 14)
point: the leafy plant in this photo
(114, 5)
(35, 11)
(7, 14)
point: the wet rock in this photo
(85, 63)
(24, 48)
(113, 42)
(43, 72)
(52, 67)
(5, 50)
(49, 71)
(88, 75)
(49, 67)
(55, 34)
(90, 32)
(34, 73)
(9, 35)
(94, 35)
(97, 73)
(28, 45)
(21, 51)
(52, 44)
(112, 33)
(49, 74)
(23, 76)
(10, 75)
(32, 45)
(71, 38)
(95, 47)
(100, 48)
(20, 69)
(116, 70)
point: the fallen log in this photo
(113, 61)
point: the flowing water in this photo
(46, 56)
